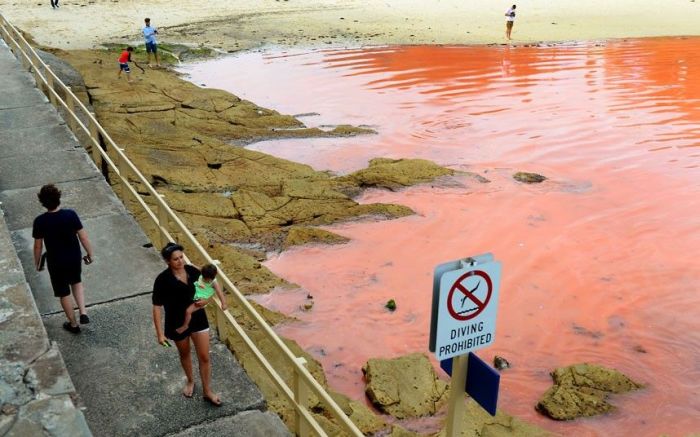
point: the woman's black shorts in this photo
(198, 323)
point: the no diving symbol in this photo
(473, 294)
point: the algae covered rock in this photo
(529, 178)
(404, 387)
(582, 390)
(394, 174)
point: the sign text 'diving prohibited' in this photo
(466, 305)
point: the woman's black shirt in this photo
(175, 296)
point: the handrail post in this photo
(71, 112)
(123, 175)
(95, 144)
(301, 394)
(162, 220)
(49, 80)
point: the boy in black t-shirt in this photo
(62, 233)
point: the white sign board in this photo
(465, 303)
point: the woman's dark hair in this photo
(168, 250)
(49, 196)
(209, 271)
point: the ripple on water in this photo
(601, 261)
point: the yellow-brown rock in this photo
(582, 390)
(479, 423)
(299, 235)
(404, 387)
(397, 173)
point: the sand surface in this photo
(233, 25)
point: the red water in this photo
(601, 263)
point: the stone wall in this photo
(36, 393)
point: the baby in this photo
(204, 287)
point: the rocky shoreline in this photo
(241, 204)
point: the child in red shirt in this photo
(124, 60)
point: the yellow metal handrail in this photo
(303, 382)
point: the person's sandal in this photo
(84, 319)
(72, 329)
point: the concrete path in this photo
(127, 384)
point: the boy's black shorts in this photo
(63, 276)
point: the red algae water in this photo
(601, 262)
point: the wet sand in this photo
(600, 262)
(244, 24)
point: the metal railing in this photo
(166, 221)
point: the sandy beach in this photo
(243, 24)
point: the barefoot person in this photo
(124, 60)
(149, 34)
(510, 19)
(205, 287)
(62, 233)
(173, 291)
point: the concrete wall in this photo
(36, 392)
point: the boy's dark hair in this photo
(209, 271)
(147, 20)
(129, 49)
(49, 196)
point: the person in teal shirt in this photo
(204, 287)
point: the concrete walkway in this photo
(126, 383)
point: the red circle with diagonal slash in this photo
(457, 286)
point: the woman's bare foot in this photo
(188, 389)
(212, 399)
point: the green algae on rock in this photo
(404, 387)
(582, 390)
(529, 178)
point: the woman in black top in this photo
(173, 291)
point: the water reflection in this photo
(600, 263)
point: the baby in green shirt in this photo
(204, 287)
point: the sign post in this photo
(456, 409)
(463, 319)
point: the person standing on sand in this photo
(149, 33)
(510, 19)
(54, 4)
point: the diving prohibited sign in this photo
(465, 303)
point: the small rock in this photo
(307, 306)
(529, 178)
(500, 363)
(639, 348)
(9, 409)
(390, 305)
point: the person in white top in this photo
(510, 18)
